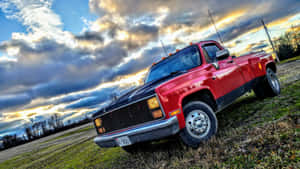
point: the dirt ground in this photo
(287, 72)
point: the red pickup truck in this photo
(181, 95)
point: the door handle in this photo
(230, 61)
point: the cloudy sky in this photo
(68, 57)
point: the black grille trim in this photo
(129, 115)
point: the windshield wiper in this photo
(178, 71)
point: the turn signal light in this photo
(259, 66)
(98, 122)
(173, 113)
(177, 50)
(157, 114)
(153, 103)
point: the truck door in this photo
(228, 76)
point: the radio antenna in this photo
(213, 22)
(164, 48)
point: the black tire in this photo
(269, 86)
(194, 138)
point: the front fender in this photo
(173, 100)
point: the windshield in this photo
(183, 60)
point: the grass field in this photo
(252, 133)
(290, 60)
(71, 133)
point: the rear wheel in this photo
(269, 86)
(200, 123)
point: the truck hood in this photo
(136, 94)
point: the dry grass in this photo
(273, 145)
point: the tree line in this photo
(40, 129)
(288, 45)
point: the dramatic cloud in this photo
(95, 98)
(39, 19)
(14, 100)
(190, 16)
(90, 36)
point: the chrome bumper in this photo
(147, 132)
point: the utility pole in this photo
(213, 22)
(270, 40)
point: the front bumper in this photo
(151, 131)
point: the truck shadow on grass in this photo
(236, 114)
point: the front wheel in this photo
(200, 123)
(269, 86)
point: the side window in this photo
(210, 52)
(190, 57)
(185, 59)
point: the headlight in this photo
(98, 122)
(153, 103)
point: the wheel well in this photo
(202, 95)
(271, 66)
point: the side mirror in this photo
(222, 54)
(216, 65)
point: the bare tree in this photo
(28, 132)
(51, 123)
(55, 121)
(44, 127)
(35, 130)
(9, 140)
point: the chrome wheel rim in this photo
(273, 81)
(198, 124)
